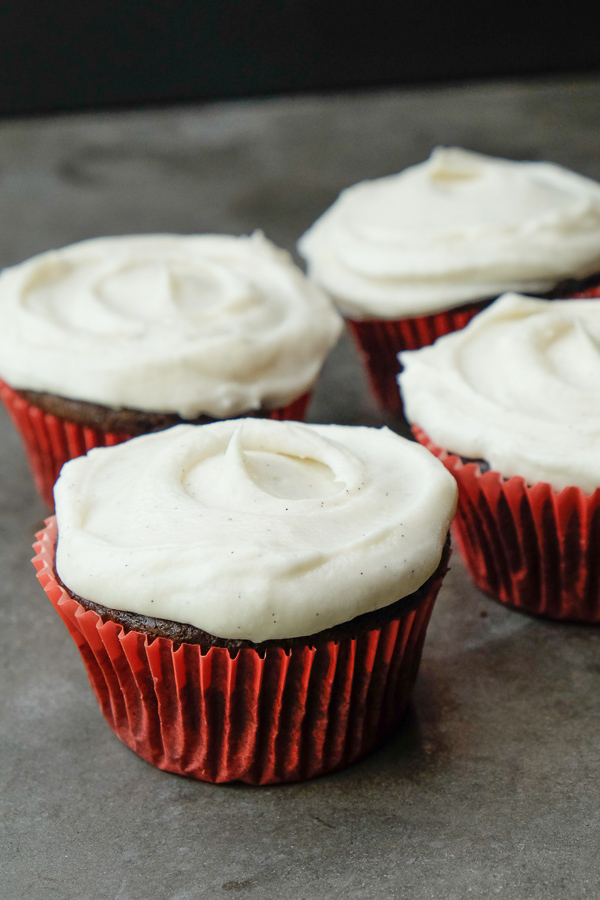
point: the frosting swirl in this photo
(517, 387)
(251, 528)
(165, 323)
(460, 226)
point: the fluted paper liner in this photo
(281, 715)
(50, 441)
(381, 340)
(591, 292)
(529, 546)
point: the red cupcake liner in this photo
(380, 340)
(591, 292)
(263, 718)
(529, 546)
(50, 441)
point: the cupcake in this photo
(250, 597)
(415, 255)
(511, 406)
(122, 336)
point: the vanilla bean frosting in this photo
(458, 227)
(200, 324)
(252, 528)
(518, 387)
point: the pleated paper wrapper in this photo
(591, 292)
(380, 340)
(531, 547)
(263, 718)
(50, 441)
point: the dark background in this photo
(108, 53)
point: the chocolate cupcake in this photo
(116, 337)
(510, 405)
(250, 598)
(416, 255)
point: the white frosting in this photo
(517, 387)
(251, 528)
(460, 226)
(166, 323)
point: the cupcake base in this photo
(529, 546)
(262, 716)
(54, 429)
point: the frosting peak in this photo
(265, 466)
(460, 226)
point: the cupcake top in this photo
(165, 323)
(458, 227)
(518, 387)
(251, 528)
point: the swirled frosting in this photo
(165, 323)
(460, 226)
(517, 387)
(251, 528)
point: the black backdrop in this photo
(99, 53)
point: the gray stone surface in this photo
(490, 787)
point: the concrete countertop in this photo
(490, 787)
